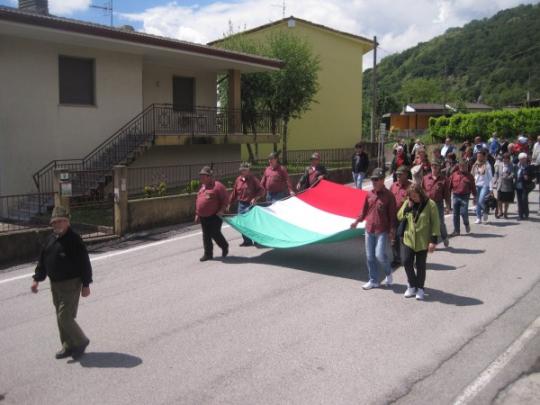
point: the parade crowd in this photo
(409, 215)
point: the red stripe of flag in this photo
(335, 198)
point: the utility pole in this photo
(374, 91)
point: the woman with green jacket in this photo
(421, 218)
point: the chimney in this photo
(34, 6)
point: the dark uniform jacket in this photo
(64, 258)
(360, 162)
(310, 176)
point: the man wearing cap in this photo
(211, 202)
(312, 174)
(399, 190)
(275, 180)
(65, 261)
(379, 212)
(437, 187)
(246, 191)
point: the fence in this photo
(24, 211)
(168, 180)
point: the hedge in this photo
(507, 123)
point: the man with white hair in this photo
(448, 147)
(536, 162)
(65, 261)
(524, 185)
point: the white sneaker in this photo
(389, 280)
(369, 285)
(477, 221)
(420, 294)
(485, 218)
(411, 292)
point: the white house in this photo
(99, 96)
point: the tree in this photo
(294, 86)
(287, 93)
(254, 87)
(421, 90)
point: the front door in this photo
(183, 93)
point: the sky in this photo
(398, 24)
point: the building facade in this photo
(79, 92)
(335, 119)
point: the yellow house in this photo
(335, 120)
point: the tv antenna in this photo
(107, 9)
(283, 7)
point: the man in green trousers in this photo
(65, 260)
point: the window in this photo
(183, 93)
(77, 80)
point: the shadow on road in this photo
(485, 235)
(434, 295)
(503, 224)
(440, 266)
(532, 219)
(464, 251)
(345, 259)
(108, 360)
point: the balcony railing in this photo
(159, 119)
(210, 121)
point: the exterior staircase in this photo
(91, 175)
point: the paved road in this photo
(282, 326)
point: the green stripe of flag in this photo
(268, 230)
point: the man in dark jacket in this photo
(360, 165)
(65, 261)
(312, 174)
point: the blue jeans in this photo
(481, 193)
(273, 197)
(376, 254)
(444, 232)
(460, 204)
(358, 178)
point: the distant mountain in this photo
(495, 61)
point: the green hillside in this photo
(493, 60)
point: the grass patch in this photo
(102, 216)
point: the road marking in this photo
(7, 280)
(494, 368)
(121, 252)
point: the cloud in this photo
(64, 7)
(398, 24)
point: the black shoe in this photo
(225, 252)
(395, 264)
(62, 354)
(246, 243)
(205, 258)
(79, 351)
(454, 234)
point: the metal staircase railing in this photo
(112, 151)
(124, 145)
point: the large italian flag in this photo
(321, 214)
